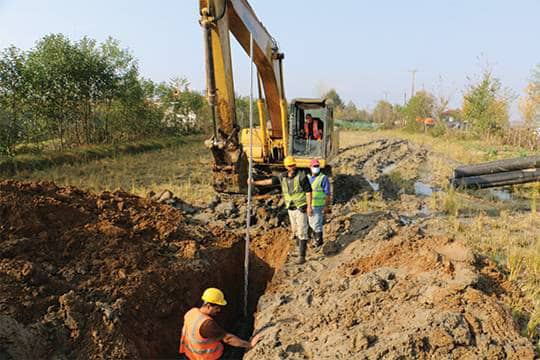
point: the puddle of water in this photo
(501, 194)
(422, 189)
(374, 185)
(388, 168)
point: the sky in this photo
(363, 49)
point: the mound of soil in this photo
(107, 275)
(394, 292)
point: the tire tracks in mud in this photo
(384, 288)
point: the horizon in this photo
(446, 50)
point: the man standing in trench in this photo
(202, 336)
(296, 191)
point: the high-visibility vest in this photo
(297, 196)
(317, 194)
(192, 344)
(315, 127)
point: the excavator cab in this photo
(311, 129)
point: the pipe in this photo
(497, 166)
(498, 179)
(211, 92)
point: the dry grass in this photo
(184, 169)
(513, 240)
(510, 235)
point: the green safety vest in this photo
(318, 194)
(297, 196)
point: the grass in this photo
(504, 231)
(183, 168)
(48, 158)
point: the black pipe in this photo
(498, 179)
(499, 166)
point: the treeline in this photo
(64, 93)
(485, 112)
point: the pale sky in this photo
(364, 49)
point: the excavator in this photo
(283, 128)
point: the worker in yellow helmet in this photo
(296, 191)
(202, 336)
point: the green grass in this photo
(47, 158)
(183, 167)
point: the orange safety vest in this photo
(316, 133)
(193, 344)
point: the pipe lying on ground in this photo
(498, 179)
(499, 166)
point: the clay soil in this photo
(110, 275)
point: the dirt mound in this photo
(108, 275)
(392, 293)
(390, 283)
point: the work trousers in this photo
(316, 220)
(299, 224)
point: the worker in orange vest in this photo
(312, 128)
(202, 336)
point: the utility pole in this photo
(413, 73)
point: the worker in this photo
(296, 191)
(322, 197)
(312, 128)
(202, 336)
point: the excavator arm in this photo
(218, 19)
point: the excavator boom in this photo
(219, 18)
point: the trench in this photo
(156, 335)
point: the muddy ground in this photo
(110, 275)
(390, 283)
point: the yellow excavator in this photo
(304, 128)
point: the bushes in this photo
(73, 93)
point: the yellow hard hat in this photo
(289, 161)
(214, 296)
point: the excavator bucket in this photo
(230, 169)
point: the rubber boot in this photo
(318, 239)
(302, 252)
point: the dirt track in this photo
(392, 284)
(109, 275)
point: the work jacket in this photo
(296, 195)
(319, 196)
(192, 344)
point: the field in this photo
(183, 168)
(407, 261)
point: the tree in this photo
(334, 96)
(348, 112)
(13, 88)
(529, 105)
(420, 106)
(385, 114)
(485, 106)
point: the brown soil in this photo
(109, 275)
(389, 284)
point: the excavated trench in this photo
(110, 275)
(224, 271)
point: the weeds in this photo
(183, 169)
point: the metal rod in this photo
(250, 178)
